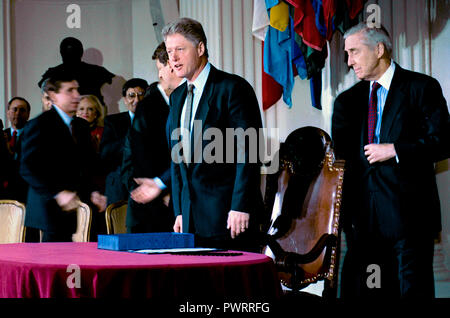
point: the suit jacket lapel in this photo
(177, 106)
(62, 126)
(363, 96)
(392, 105)
(203, 106)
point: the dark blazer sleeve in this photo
(175, 175)
(126, 171)
(111, 145)
(33, 165)
(431, 143)
(244, 113)
(340, 128)
(6, 161)
(166, 178)
(346, 121)
(145, 152)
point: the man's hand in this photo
(237, 222)
(99, 201)
(166, 199)
(147, 190)
(67, 200)
(379, 152)
(178, 226)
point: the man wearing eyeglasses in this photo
(113, 139)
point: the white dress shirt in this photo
(199, 85)
(385, 82)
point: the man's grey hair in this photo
(372, 36)
(189, 28)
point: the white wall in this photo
(38, 26)
(4, 58)
(144, 38)
(117, 34)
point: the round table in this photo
(75, 270)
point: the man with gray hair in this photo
(218, 201)
(391, 127)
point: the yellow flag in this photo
(279, 16)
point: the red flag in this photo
(271, 90)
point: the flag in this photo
(271, 90)
(260, 19)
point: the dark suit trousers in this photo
(405, 267)
(63, 233)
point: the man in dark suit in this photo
(18, 113)
(218, 200)
(390, 128)
(146, 159)
(113, 139)
(5, 162)
(58, 162)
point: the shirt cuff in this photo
(159, 183)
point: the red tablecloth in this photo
(43, 270)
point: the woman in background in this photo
(91, 110)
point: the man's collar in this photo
(201, 79)
(131, 115)
(66, 118)
(386, 79)
(163, 93)
(14, 129)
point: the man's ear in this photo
(201, 49)
(51, 96)
(380, 49)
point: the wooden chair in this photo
(305, 196)
(12, 220)
(84, 220)
(115, 215)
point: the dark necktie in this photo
(12, 141)
(372, 116)
(185, 133)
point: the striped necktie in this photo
(185, 133)
(12, 141)
(372, 115)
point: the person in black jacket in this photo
(146, 160)
(113, 139)
(390, 128)
(58, 162)
(5, 161)
(18, 113)
(219, 198)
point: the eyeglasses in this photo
(133, 95)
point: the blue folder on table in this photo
(136, 241)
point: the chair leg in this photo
(330, 290)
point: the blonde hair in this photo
(99, 108)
